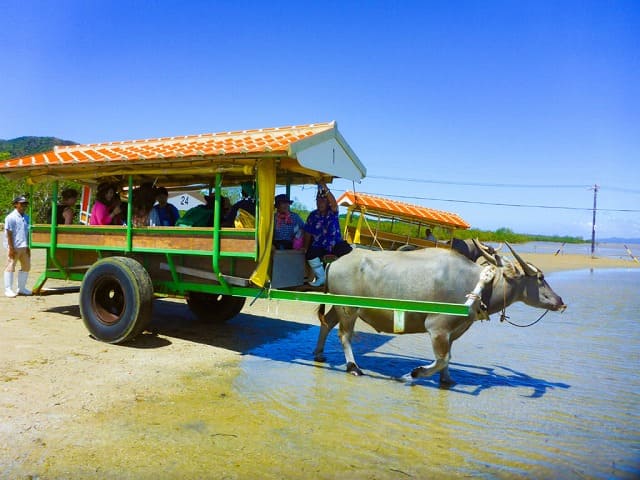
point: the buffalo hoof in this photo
(446, 384)
(407, 378)
(353, 369)
(319, 357)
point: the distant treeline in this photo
(507, 235)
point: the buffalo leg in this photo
(327, 322)
(347, 317)
(442, 351)
(445, 378)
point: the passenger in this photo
(323, 233)
(225, 206)
(66, 208)
(119, 218)
(288, 226)
(167, 214)
(145, 194)
(429, 236)
(143, 216)
(104, 209)
(246, 203)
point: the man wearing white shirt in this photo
(16, 227)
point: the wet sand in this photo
(59, 388)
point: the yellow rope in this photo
(373, 235)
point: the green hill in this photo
(21, 146)
(9, 189)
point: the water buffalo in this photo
(431, 274)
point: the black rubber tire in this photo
(116, 298)
(212, 308)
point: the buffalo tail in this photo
(320, 314)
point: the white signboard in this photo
(185, 200)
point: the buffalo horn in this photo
(490, 250)
(488, 253)
(525, 266)
(490, 258)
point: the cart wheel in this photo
(116, 299)
(213, 308)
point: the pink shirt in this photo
(100, 214)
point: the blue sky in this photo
(443, 101)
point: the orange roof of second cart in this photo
(383, 206)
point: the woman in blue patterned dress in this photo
(323, 233)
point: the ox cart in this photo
(217, 268)
(381, 223)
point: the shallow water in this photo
(556, 400)
(601, 249)
(559, 399)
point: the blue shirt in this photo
(167, 215)
(18, 225)
(325, 229)
(286, 226)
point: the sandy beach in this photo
(555, 263)
(54, 377)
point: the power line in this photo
(500, 185)
(521, 205)
(618, 189)
(474, 184)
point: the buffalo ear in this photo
(525, 266)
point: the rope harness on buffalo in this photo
(505, 318)
(474, 299)
(503, 314)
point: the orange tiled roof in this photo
(383, 206)
(163, 151)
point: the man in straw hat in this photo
(16, 227)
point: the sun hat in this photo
(282, 198)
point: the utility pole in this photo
(593, 223)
